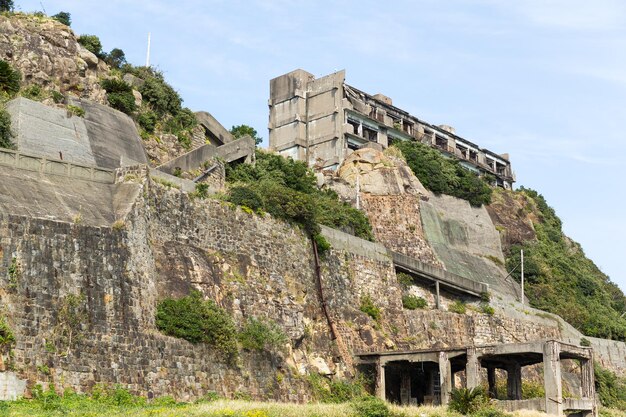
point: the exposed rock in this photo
(48, 54)
(513, 215)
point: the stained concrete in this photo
(99, 139)
(52, 197)
(466, 241)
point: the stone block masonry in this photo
(251, 265)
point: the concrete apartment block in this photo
(321, 121)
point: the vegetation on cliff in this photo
(562, 280)
(442, 175)
(287, 189)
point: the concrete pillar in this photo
(380, 379)
(491, 380)
(588, 385)
(472, 369)
(405, 388)
(514, 381)
(437, 300)
(445, 377)
(552, 378)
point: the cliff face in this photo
(48, 54)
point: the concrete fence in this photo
(55, 167)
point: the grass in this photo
(85, 407)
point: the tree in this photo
(9, 79)
(243, 130)
(6, 5)
(116, 58)
(91, 43)
(63, 17)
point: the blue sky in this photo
(543, 80)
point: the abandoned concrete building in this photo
(323, 120)
(428, 376)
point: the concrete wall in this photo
(242, 148)
(99, 139)
(466, 241)
(252, 266)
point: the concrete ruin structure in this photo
(428, 376)
(323, 120)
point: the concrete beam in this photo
(444, 277)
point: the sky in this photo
(542, 80)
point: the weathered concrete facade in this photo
(428, 376)
(322, 120)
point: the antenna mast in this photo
(148, 53)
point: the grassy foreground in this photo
(85, 407)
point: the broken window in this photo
(441, 142)
(370, 134)
(473, 156)
(463, 150)
(355, 127)
(407, 127)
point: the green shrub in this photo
(115, 395)
(371, 407)
(610, 388)
(57, 97)
(245, 196)
(119, 95)
(32, 92)
(467, 401)
(368, 307)
(488, 411)
(585, 342)
(202, 190)
(161, 97)
(405, 280)
(9, 79)
(197, 321)
(487, 309)
(287, 189)
(6, 133)
(262, 334)
(411, 302)
(147, 120)
(326, 390)
(63, 17)
(458, 307)
(75, 110)
(7, 338)
(442, 175)
(182, 121)
(323, 245)
(92, 44)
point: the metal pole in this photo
(148, 53)
(522, 272)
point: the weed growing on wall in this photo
(368, 307)
(198, 321)
(411, 302)
(262, 334)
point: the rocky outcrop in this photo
(513, 215)
(390, 195)
(48, 54)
